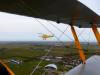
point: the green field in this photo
(30, 56)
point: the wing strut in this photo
(96, 33)
(5, 70)
(77, 43)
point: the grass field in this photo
(29, 54)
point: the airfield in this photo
(28, 54)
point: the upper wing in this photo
(64, 11)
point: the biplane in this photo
(45, 36)
(70, 12)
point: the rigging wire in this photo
(50, 49)
(47, 53)
(47, 30)
(63, 32)
(89, 36)
(29, 8)
(62, 43)
(41, 61)
(79, 35)
(89, 39)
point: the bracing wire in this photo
(50, 49)
(49, 31)
(79, 35)
(41, 61)
(30, 9)
(63, 32)
(89, 39)
(80, 32)
(89, 36)
(47, 53)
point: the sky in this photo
(21, 28)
